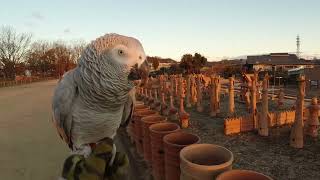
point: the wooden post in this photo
(181, 90)
(164, 106)
(199, 95)
(176, 85)
(215, 96)
(313, 121)
(188, 91)
(151, 99)
(193, 90)
(296, 136)
(231, 96)
(263, 125)
(173, 112)
(254, 100)
(156, 105)
(212, 94)
(280, 98)
(183, 115)
(179, 79)
(146, 96)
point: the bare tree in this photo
(38, 59)
(13, 48)
(77, 46)
(155, 64)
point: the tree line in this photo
(18, 52)
(188, 64)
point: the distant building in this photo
(277, 61)
(312, 74)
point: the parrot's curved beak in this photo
(141, 72)
(144, 70)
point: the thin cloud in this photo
(37, 15)
(66, 31)
(29, 24)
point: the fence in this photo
(246, 123)
(23, 80)
(238, 124)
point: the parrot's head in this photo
(121, 54)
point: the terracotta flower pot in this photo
(140, 106)
(145, 100)
(173, 143)
(150, 101)
(164, 110)
(242, 175)
(137, 103)
(156, 105)
(173, 115)
(137, 107)
(146, 123)
(137, 124)
(184, 120)
(204, 161)
(157, 132)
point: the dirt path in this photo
(30, 146)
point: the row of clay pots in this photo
(139, 106)
(175, 155)
(159, 142)
(157, 132)
(146, 123)
(162, 143)
(137, 126)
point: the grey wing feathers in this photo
(128, 108)
(64, 95)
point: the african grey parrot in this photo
(92, 100)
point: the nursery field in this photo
(269, 155)
(31, 148)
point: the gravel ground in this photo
(269, 155)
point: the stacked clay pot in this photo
(146, 97)
(242, 175)
(137, 125)
(173, 115)
(157, 132)
(173, 143)
(156, 105)
(146, 123)
(184, 120)
(131, 126)
(204, 161)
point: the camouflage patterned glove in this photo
(96, 165)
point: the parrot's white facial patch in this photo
(128, 56)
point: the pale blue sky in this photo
(215, 28)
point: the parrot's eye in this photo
(120, 52)
(140, 57)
